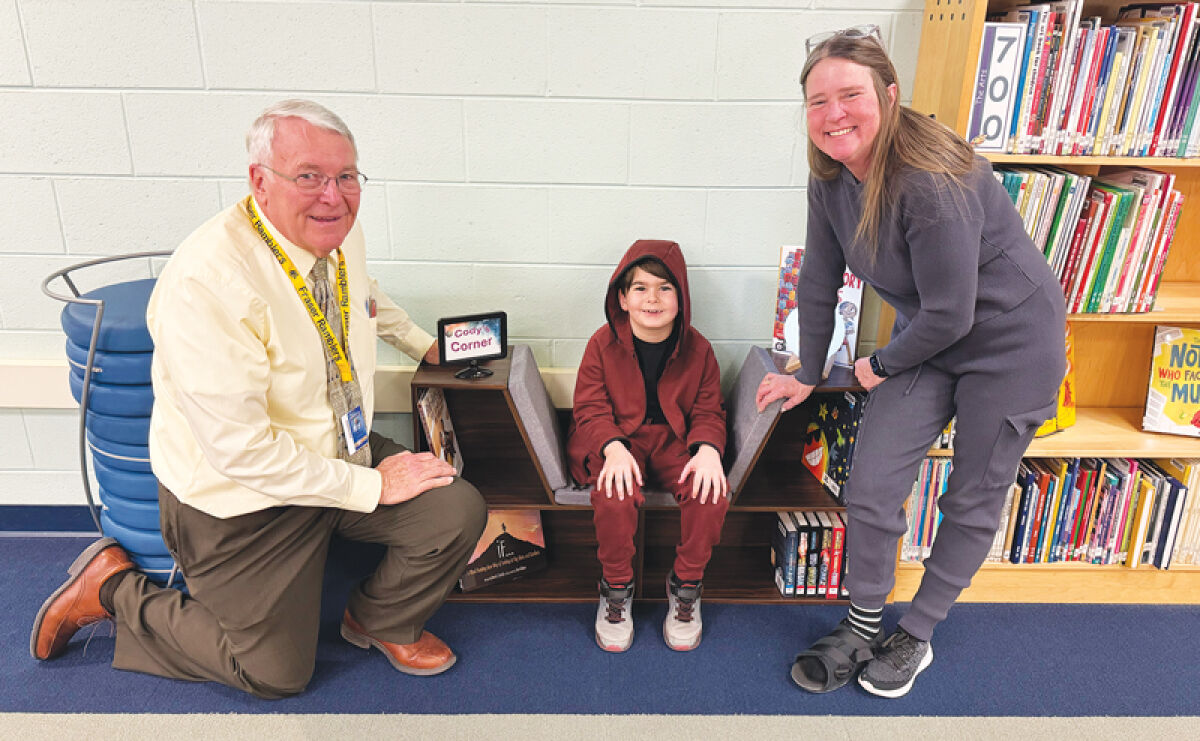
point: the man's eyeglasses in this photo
(315, 182)
(865, 31)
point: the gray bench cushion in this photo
(537, 415)
(748, 428)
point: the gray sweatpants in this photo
(1001, 380)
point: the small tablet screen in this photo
(477, 337)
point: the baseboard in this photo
(45, 519)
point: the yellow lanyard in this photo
(314, 312)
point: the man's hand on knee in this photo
(406, 475)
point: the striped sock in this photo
(865, 623)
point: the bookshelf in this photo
(1112, 351)
(499, 460)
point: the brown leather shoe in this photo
(77, 602)
(429, 655)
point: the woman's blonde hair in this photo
(905, 137)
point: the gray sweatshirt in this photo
(948, 260)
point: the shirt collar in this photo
(301, 258)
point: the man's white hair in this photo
(261, 136)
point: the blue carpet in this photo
(1028, 660)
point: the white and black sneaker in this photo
(896, 665)
(614, 622)
(682, 628)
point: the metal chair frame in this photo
(75, 297)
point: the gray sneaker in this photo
(896, 665)
(614, 621)
(682, 628)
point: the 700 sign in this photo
(996, 86)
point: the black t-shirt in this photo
(652, 359)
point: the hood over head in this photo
(669, 254)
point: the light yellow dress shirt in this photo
(241, 418)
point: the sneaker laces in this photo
(684, 606)
(899, 649)
(615, 611)
(683, 609)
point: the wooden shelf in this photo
(1176, 303)
(1106, 432)
(1046, 159)
(1113, 432)
(1067, 583)
(1112, 351)
(498, 459)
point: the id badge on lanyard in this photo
(354, 424)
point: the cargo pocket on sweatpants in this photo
(1015, 435)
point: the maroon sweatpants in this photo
(661, 457)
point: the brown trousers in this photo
(252, 614)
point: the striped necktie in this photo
(343, 396)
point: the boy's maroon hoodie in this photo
(610, 396)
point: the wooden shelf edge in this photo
(1113, 431)
(1047, 159)
(1066, 583)
(1178, 302)
(1107, 432)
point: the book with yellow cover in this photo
(1173, 397)
(1064, 414)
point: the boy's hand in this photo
(619, 472)
(708, 476)
(775, 386)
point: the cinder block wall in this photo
(514, 149)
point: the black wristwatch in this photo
(877, 367)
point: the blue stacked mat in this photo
(120, 399)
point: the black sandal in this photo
(833, 661)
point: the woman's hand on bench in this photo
(775, 386)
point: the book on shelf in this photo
(806, 531)
(825, 554)
(836, 554)
(830, 437)
(996, 85)
(784, 548)
(439, 430)
(1106, 237)
(921, 509)
(808, 554)
(1181, 546)
(1064, 411)
(785, 334)
(1074, 85)
(1136, 512)
(1173, 396)
(512, 546)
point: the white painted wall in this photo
(515, 150)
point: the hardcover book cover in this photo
(512, 546)
(784, 540)
(785, 334)
(1173, 399)
(1064, 413)
(439, 431)
(830, 437)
